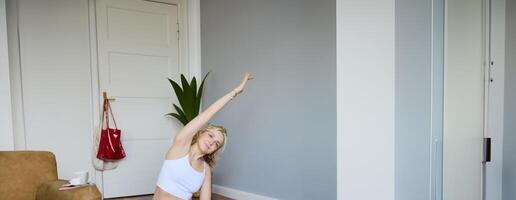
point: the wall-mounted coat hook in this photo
(104, 95)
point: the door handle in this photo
(487, 150)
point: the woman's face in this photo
(210, 141)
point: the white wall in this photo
(365, 99)
(52, 80)
(6, 129)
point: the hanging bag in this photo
(101, 165)
(110, 145)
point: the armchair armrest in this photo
(50, 191)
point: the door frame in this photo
(495, 98)
(189, 55)
(6, 125)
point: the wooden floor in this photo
(149, 197)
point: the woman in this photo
(188, 162)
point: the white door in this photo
(463, 100)
(137, 51)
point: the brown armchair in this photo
(32, 175)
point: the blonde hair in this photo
(211, 159)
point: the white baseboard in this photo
(238, 194)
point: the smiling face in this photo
(210, 140)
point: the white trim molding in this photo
(189, 37)
(496, 90)
(15, 76)
(95, 91)
(238, 194)
(6, 122)
(365, 99)
(194, 37)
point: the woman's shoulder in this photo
(176, 153)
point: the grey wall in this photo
(413, 102)
(509, 146)
(282, 129)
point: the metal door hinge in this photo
(487, 150)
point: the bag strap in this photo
(105, 115)
(105, 121)
(111, 111)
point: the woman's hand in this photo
(241, 86)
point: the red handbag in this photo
(110, 145)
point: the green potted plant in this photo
(189, 97)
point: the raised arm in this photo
(186, 134)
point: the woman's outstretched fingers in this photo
(241, 86)
(248, 76)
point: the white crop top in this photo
(179, 178)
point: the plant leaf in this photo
(189, 99)
(180, 112)
(177, 89)
(193, 85)
(178, 117)
(199, 94)
(184, 82)
(180, 94)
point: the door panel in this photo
(148, 115)
(137, 52)
(138, 26)
(137, 75)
